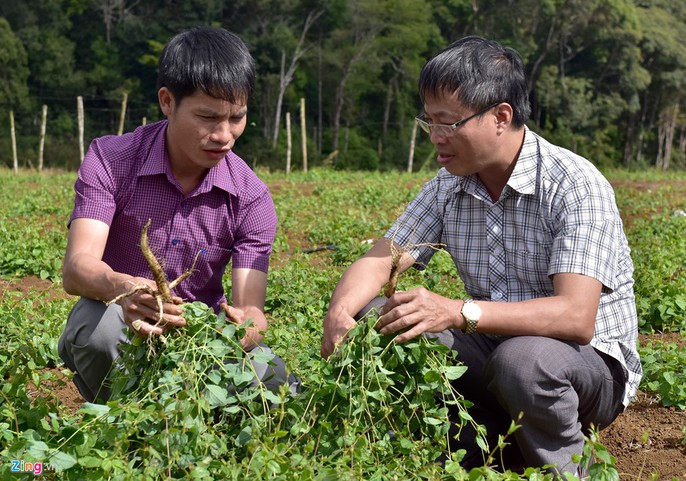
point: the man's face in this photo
(467, 149)
(201, 130)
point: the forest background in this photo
(607, 78)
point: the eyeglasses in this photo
(445, 130)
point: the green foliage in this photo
(603, 74)
(664, 372)
(189, 411)
(34, 210)
(658, 247)
(599, 463)
(14, 70)
(368, 412)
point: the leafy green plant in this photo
(188, 411)
(173, 418)
(598, 462)
(664, 372)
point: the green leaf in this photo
(262, 357)
(61, 461)
(454, 372)
(244, 436)
(90, 462)
(37, 449)
(216, 395)
(94, 409)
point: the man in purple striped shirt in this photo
(201, 198)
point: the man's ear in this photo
(166, 99)
(504, 115)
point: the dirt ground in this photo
(647, 439)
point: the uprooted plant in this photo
(397, 252)
(163, 294)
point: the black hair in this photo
(210, 59)
(481, 72)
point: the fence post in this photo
(410, 158)
(79, 116)
(288, 142)
(41, 144)
(303, 132)
(15, 162)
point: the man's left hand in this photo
(417, 311)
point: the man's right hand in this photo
(141, 306)
(335, 332)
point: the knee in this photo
(528, 371)
(522, 360)
(106, 337)
(375, 304)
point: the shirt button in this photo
(175, 242)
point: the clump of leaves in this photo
(664, 372)
(596, 459)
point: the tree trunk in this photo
(287, 77)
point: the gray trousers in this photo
(90, 343)
(561, 388)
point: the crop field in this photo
(368, 413)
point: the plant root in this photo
(397, 252)
(164, 287)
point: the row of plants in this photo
(368, 413)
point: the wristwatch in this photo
(471, 313)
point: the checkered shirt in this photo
(556, 214)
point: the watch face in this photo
(471, 311)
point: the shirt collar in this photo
(523, 177)
(157, 162)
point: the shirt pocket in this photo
(530, 265)
(211, 264)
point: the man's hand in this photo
(253, 333)
(142, 306)
(419, 311)
(335, 332)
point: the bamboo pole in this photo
(13, 135)
(303, 133)
(289, 144)
(122, 115)
(41, 144)
(79, 116)
(413, 139)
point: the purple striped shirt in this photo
(230, 217)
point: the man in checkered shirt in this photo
(550, 327)
(201, 198)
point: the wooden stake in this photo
(289, 145)
(303, 134)
(410, 158)
(41, 144)
(15, 162)
(79, 116)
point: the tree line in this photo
(607, 78)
